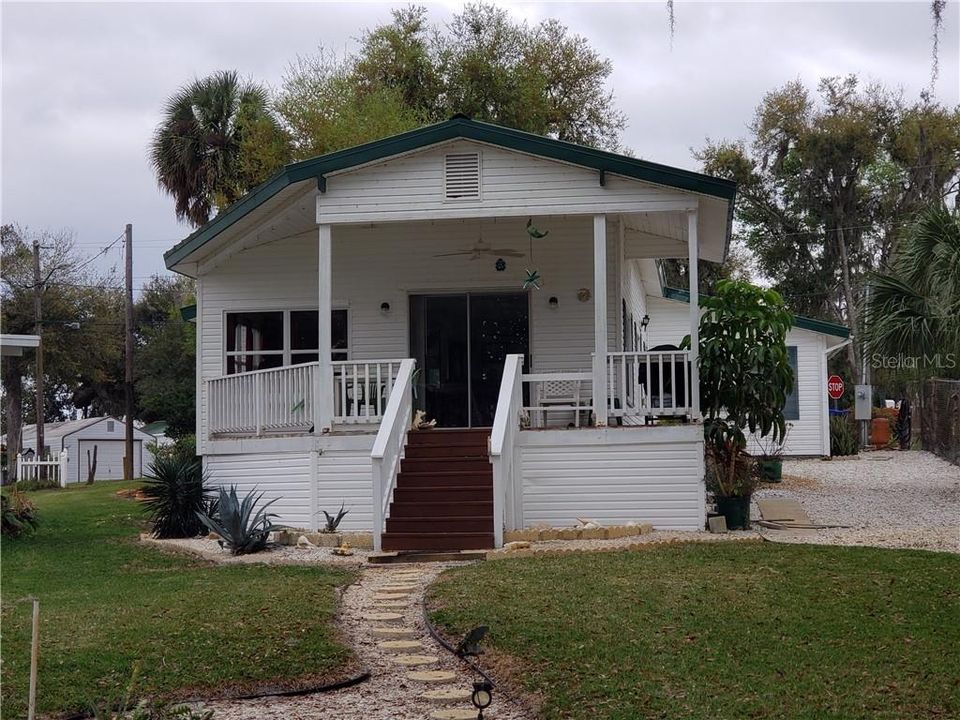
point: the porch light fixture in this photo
(644, 322)
(384, 307)
(482, 696)
(554, 303)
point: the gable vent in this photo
(461, 176)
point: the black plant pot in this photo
(736, 511)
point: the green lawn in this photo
(107, 603)
(746, 630)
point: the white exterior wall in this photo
(318, 474)
(411, 187)
(810, 435)
(613, 476)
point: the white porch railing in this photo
(35, 469)
(361, 389)
(389, 444)
(567, 394)
(641, 384)
(263, 401)
(503, 438)
(284, 400)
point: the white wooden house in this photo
(80, 437)
(353, 288)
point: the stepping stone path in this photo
(412, 677)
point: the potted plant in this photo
(771, 461)
(745, 376)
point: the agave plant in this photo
(241, 530)
(333, 521)
(175, 492)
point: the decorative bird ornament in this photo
(533, 232)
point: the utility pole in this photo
(128, 355)
(37, 329)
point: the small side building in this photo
(77, 437)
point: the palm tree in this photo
(197, 150)
(914, 308)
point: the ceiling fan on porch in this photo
(480, 249)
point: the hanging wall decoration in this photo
(500, 265)
(533, 276)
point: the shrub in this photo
(333, 521)
(19, 516)
(175, 493)
(843, 437)
(242, 531)
(745, 376)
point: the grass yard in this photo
(107, 603)
(746, 630)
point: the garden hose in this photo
(330, 687)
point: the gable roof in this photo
(458, 127)
(804, 323)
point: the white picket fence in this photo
(36, 469)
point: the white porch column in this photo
(693, 248)
(324, 395)
(600, 319)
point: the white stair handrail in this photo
(506, 427)
(389, 444)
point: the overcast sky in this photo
(83, 84)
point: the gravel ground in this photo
(274, 554)
(886, 499)
(388, 694)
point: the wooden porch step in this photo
(480, 524)
(448, 450)
(437, 541)
(446, 464)
(472, 436)
(444, 509)
(449, 493)
(444, 479)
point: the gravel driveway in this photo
(887, 499)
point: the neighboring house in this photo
(158, 429)
(353, 288)
(78, 437)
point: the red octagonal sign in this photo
(835, 387)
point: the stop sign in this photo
(835, 387)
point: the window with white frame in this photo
(276, 338)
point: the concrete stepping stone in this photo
(413, 660)
(391, 596)
(450, 694)
(398, 588)
(394, 604)
(394, 632)
(400, 646)
(432, 676)
(381, 616)
(455, 714)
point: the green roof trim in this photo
(458, 127)
(189, 313)
(804, 323)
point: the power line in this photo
(99, 254)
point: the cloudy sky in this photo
(83, 84)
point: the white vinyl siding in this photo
(343, 475)
(411, 187)
(613, 476)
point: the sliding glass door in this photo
(460, 343)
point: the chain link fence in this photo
(940, 422)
